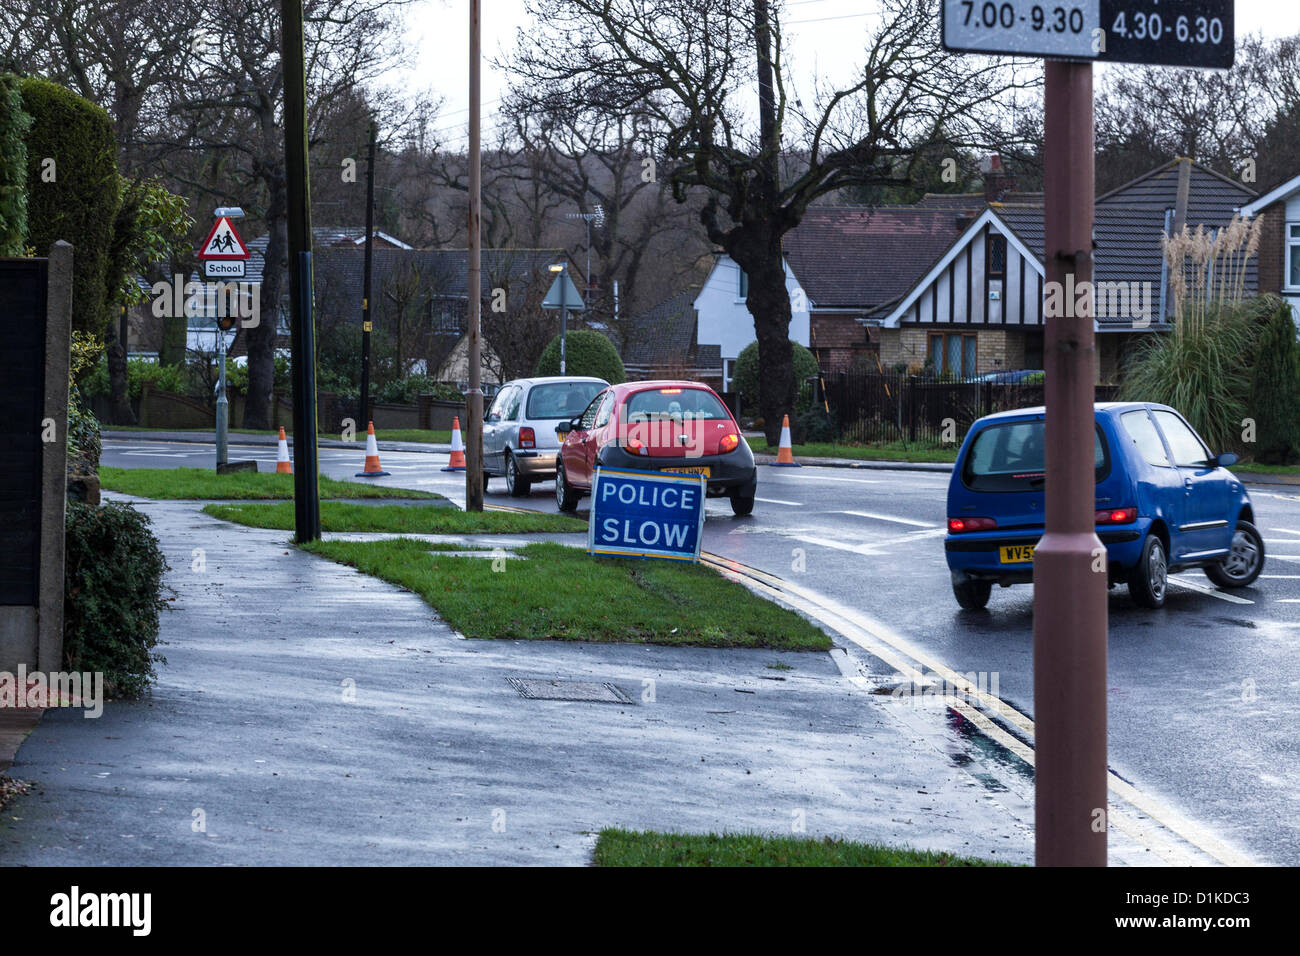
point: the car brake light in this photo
(670, 391)
(1116, 516)
(635, 446)
(960, 525)
(729, 442)
(527, 438)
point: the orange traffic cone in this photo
(282, 464)
(372, 469)
(457, 462)
(785, 454)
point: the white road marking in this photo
(778, 501)
(856, 481)
(1211, 592)
(1285, 530)
(1287, 601)
(161, 454)
(880, 517)
(1291, 576)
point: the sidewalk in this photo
(439, 760)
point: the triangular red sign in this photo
(223, 242)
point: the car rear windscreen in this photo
(557, 400)
(663, 404)
(1010, 457)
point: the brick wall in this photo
(1272, 248)
(837, 340)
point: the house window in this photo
(742, 284)
(952, 354)
(1293, 255)
(995, 262)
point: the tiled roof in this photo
(663, 336)
(864, 257)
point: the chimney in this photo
(997, 182)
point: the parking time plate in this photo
(1016, 554)
(697, 470)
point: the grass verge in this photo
(399, 519)
(381, 434)
(631, 848)
(562, 593)
(886, 451)
(200, 483)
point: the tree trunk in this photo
(769, 303)
(261, 338)
(119, 402)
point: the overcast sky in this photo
(823, 37)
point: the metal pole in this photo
(564, 310)
(306, 490)
(586, 289)
(366, 325)
(223, 405)
(474, 279)
(1069, 595)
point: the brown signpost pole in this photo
(474, 396)
(1069, 561)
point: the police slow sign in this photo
(646, 514)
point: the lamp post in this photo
(561, 270)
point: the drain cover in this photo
(588, 691)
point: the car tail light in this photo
(527, 437)
(635, 446)
(670, 391)
(960, 525)
(1117, 516)
(729, 442)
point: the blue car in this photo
(1164, 504)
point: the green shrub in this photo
(14, 124)
(77, 197)
(407, 391)
(84, 442)
(113, 592)
(1201, 368)
(745, 375)
(162, 378)
(1274, 399)
(813, 425)
(585, 353)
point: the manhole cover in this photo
(589, 691)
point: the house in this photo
(843, 265)
(664, 343)
(979, 306)
(1279, 247)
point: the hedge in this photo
(14, 124)
(745, 377)
(80, 204)
(585, 353)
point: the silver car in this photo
(519, 440)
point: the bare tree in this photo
(693, 65)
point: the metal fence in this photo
(872, 407)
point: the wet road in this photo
(1199, 690)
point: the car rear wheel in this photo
(566, 500)
(517, 485)
(1244, 562)
(1148, 582)
(742, 505)
(972, 595)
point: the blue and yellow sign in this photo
(647, 514)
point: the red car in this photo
(679, 427)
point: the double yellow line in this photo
(1174, 838)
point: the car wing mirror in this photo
(564, 428)
(1226, 460)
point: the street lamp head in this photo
(229, 212)
(556, 268)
